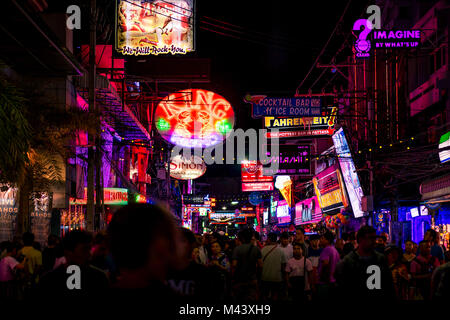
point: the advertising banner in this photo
(9, 208)
(351, 180)
(40, 217)
(307, 211)
(226, 217)
(304, 123)
(145, 27)
(329, 189)
(263, 106)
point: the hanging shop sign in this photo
(369, 39)
(112, 196)
(187, 168)
(444, 142)
(320, 122)
(252, 171)
(9, 208)
(299, 134)
(291, 159)
(222, 217)
(351, 179)
(194, 118)
(257, 186)
(263, 106)
(329, 189)
(307, 211)
(156, 27)
(284, 185)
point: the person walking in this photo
(274, 268)
(298, 275)
(246, 265)
(329, 258)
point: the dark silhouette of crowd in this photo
(144, 249)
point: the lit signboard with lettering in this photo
(292, 160)
(147, 27)
(369, 39)
(329, 189)
(226, 217)
(187, 168)
(351, 179)
(194, 118)
(263, 106)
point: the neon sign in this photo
(194, 118)
(186, 169)
(368, 40)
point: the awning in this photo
(435, 188)
(114, 112)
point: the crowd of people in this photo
(144, 249)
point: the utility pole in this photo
(90, 214)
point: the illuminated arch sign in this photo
(194, 118)
(187, 168)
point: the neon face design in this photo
(194, 118)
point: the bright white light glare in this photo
(224, 208)
(234, 202)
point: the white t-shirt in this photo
(7, 265)
(288, 251)
(294, 268)
(271, 270)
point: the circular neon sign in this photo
(194, 118)
(187, 168)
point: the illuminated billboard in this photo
(349, 173)
(226, 218)
(329, 189)
(307, 211)
(194, 118)
(145, 27)
(187, 168)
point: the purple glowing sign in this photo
(292, 160)
(382, 38)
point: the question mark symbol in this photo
(362, 45)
